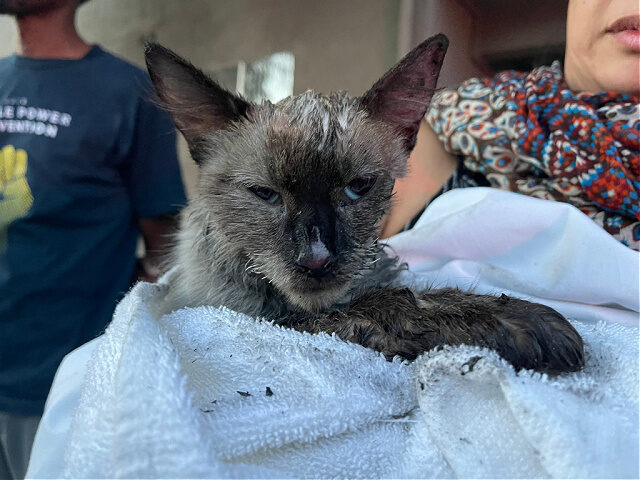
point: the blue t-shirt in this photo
(83, 156)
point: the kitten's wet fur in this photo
(284, 223)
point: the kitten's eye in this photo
(359, 187)
(266, 194)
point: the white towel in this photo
(207, 392)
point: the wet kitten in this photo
(284, 223)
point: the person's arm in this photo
(156, 233)
(154, 182)
(429, 167)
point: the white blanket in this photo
(207, 392)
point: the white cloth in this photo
(167, 397)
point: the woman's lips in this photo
(626, 31)
(629, 39)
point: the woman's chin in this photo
(619, 70)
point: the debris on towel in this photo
(469, 364)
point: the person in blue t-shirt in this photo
(87, 163)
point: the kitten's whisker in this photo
(267, 279)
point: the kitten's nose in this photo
(315, 259)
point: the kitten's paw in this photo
(539, 338)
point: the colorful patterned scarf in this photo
(529, 133)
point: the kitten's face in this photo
(295, 191)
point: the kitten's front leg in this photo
(397, 321)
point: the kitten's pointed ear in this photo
(198, 104)
(402, 96)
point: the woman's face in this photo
(603, 46)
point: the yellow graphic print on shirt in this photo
(15, 195)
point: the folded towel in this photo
(207, 392)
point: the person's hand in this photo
(15, 195)
(148, 269)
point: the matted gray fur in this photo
(284, 224)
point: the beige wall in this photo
(8, 38)
(337, 44)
